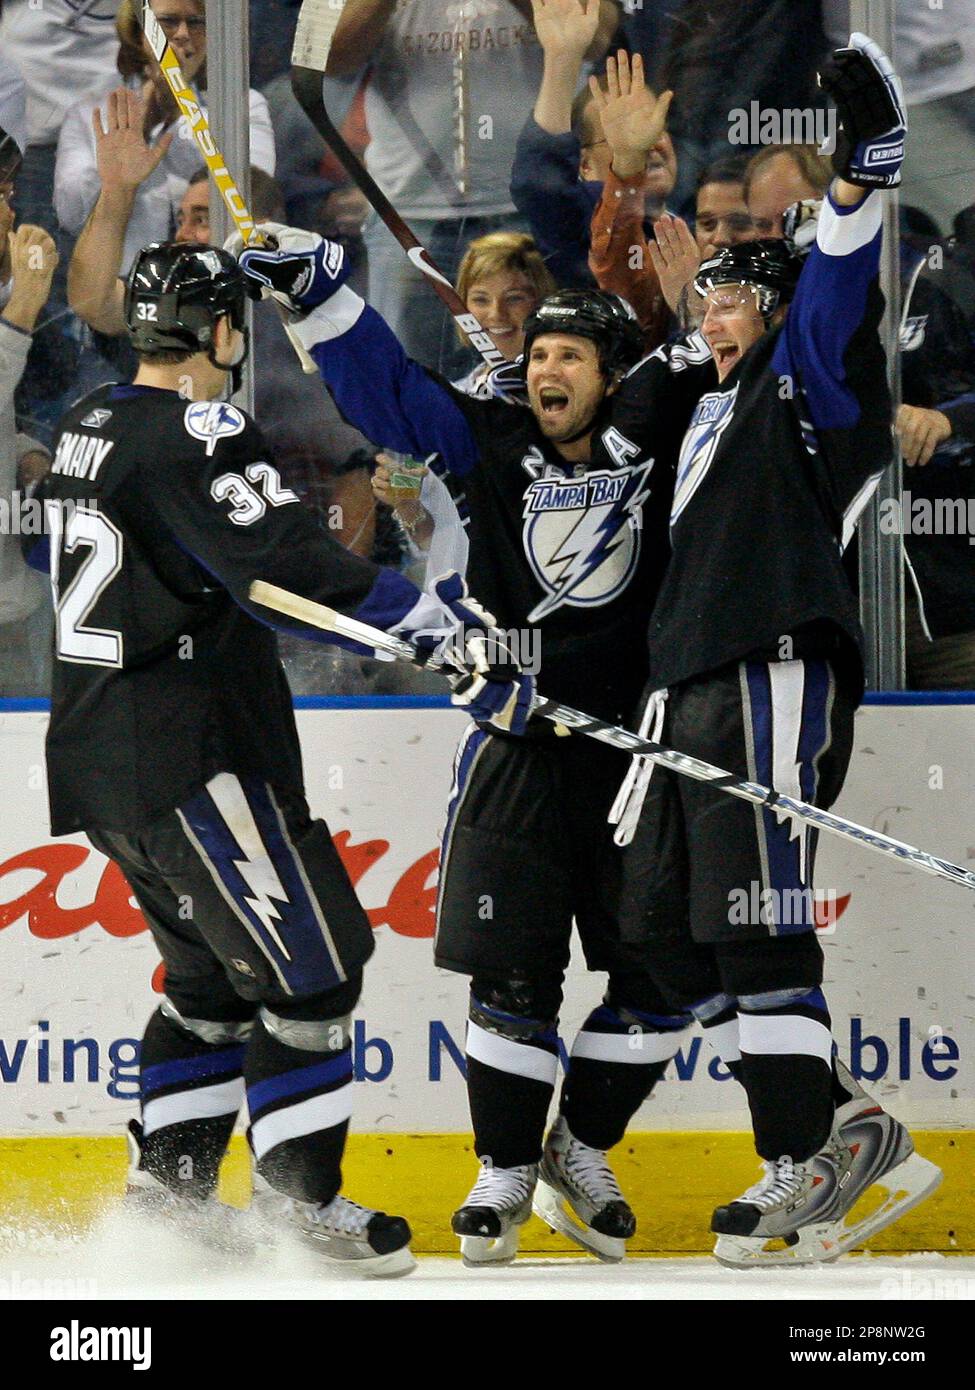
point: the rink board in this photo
(78, 974)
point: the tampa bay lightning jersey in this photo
(574, 552)
(159, 515)
(774, 470)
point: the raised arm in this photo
(566, 29)
(125, 161)
(836, 295)
(545, 186)
(633, 121)
(393, 400)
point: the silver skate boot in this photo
(204, 1220)
(490, 1221)
(355, 1238)
(800, 1213)
(578, 1195)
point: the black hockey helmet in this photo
(605, 319)
(771, 265)
(175, 294)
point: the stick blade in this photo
(317, 22)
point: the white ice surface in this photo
(125, 1258)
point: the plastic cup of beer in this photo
(405, 478)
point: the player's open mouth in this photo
(725, 354)
(553, 401)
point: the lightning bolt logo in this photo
(797, 830)
(591, 532)
(262, 880)
(711, 418)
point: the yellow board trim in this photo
(673, 1180)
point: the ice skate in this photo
(345, 1234)
(490, 1221)
(205, 1220)
(799, 1213)
(579, 1196)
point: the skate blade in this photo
(391, 1266)
(907, 1185)
(550, 1206)
(490, 1250)
(813, 1246)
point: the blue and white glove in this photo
(300, 269)
(872, 116)
(483, 675)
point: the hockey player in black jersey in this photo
(756, 666)
(568, 501)
(172, 743)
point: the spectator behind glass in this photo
(720, 58)
(936, 426)
(721, 216)
(77, 182)
(305, 168)
(562, 157)
(288, 401)
(623, 258)
(501, 280)
(449, 187)
(779, 176)
(61, 48)
(24, 604)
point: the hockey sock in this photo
(786, 1067)
(718, 1018)
(618, 1057)
(300, 1101)
(191, 1093)
(840, 1094)
(512, 1063)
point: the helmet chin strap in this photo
(236, 369)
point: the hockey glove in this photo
(483, 675)
(300, 269)
(490, 684)
(873, 120)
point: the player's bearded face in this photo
(565, 384)
(732, 323)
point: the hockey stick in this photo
(163, 53)
(318, 615)
(317, 22)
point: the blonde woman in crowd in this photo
(502, 279)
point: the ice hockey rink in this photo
(127, 1258)
(75, 961)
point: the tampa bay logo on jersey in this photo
(212, 421)
(711, 418)
(582, 535)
